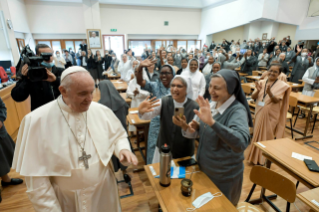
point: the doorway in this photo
(114, 42)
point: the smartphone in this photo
(179, 111)
(312, 165)
(188, 162)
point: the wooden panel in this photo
(15, 111)
(133, 118)
(283, 156)
(171, 198)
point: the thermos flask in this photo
(165, 166)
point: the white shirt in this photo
(306, 78)
(94, 42)
(198, 83)
(83, 62)
(207, 69)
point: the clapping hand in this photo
(136, 92)
(258, 86)
(268, 91)
(148, 105)
(205, 113)
(309, 58)
(298, 49)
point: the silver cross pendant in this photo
(85, 159)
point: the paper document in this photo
(134, 111)
(300, 157)
(260, 144)
(315, 202)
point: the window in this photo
(139, 46)
(56, 46)
(191, 45)
(114, 43)
(69, 44)
(158, 44)
(45, 42)
(181, 44)
(77, 45)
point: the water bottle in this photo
(165, 166)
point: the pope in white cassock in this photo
(64, 150)
(94, 41)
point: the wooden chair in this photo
(274, 182)
(255, 73)
(293, 101)
(315, 111)
(246, 89)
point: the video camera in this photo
(35, 71)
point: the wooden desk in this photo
(141, 125)
(306, 101)
(253, 77)
(171, 198)
(113, 77)
(279, 152)
(127, 100)
(243, 74)
(308, 196)
(295, 85)
(251, 84)
(120, 86)
(15, 111)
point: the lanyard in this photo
(265, 94)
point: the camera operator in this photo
(41, 92)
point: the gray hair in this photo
(282, 54)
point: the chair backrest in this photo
(246, 89)
(13, 70)
(274, 182)
(3, 75)
(293, 101)
(255, 73)
(316, 94)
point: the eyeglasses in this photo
(165, 73)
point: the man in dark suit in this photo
(288, 41)
(212, 46)
(107, 60)
(226, 45)
(283, 46)
(271, 45)
(84, 47)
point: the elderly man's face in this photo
(282, 57)
(79, 94)
(93, 34)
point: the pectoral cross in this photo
(85, 158)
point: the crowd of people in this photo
(205, 82)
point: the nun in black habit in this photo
(111, 98)
(223, 127)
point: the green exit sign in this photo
(113, 30)
(165, 23)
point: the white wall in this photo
(5, 52)
(231, 34)
(19, 16)
(149, 20)
(166, 37)
(55, 17)
(238, 13)
(308, 29)
(287, 29)
(59, 36)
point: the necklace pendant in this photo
(85, 159)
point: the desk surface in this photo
(133, 118)
(171, 198)
(308, 196)
(281, 150)
(119, 85)
(253, 77)
(242, 74)
(304, 99)
(127, 100)
(112, 76)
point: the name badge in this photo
(261, 103)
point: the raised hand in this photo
(136, 92)
(147, 62)
(148, 105)
(268, 91)
(298, 49)
(205, 113)
(51, 76)
(193, 126)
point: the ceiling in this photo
(155, 3)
